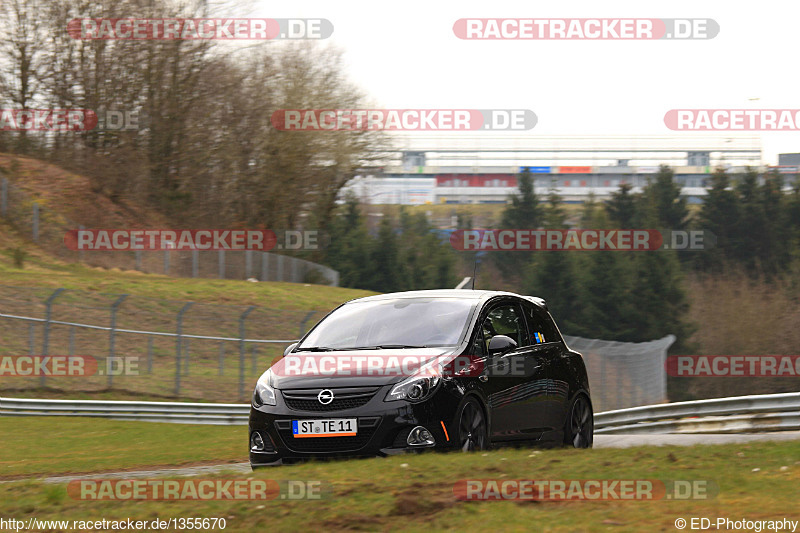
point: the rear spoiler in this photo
(538, 301)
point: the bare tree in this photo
(21, 36)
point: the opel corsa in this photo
(442, 369)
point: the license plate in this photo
(329, 427)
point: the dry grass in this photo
(736, 315)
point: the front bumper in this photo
(382, 428)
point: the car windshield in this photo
(395, 323)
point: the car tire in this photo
(579, 425)
(472, 428)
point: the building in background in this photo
(483, 169)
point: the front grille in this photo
(366, 429)
(343, 398)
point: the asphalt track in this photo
(600, 441)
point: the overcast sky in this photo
(405, 55)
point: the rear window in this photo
(540, 324)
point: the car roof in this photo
(462, 294)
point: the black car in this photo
(488, 368)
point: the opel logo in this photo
(325, 396)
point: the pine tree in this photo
(664, 194)
(385, 270)
(777, 238)
(658, 296)
(553, 276)
(622, 207)
(524, 212)
(607, 312)
(719, 217)
(752, 227)
(554, 215)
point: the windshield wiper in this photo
(353, 348)
(389, 347)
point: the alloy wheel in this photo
(472, 428)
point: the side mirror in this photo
(501, 344)
(289, 349)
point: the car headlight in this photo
(413, 389)
(264, 393)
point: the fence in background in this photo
(33, 219)
(624, 374)
(147, 346)
(207, 352)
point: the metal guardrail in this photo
(172, 412)
(742, 414)
(765, 412)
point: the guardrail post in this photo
(242, 318)
(112, 334)
(248, 264)
(186, 357)
(221, 261)
(195, 263)
(149, 354)
(221, 357)
(48, 314)
(31, 338)
(81, 252)
(303, 324)
(179, 332)
(4, 198)
(138, 256)
(35, 222)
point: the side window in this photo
(479, 347)
(505, 320)
(540, 325)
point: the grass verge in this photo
(756, 481)
(59, 445)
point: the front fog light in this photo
(420, 436)
(256, 442)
